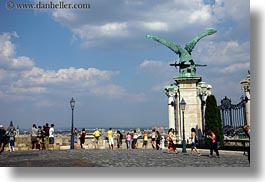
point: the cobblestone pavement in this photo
(119, 158)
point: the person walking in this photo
(171, 145)
(213, 147)
(110, 138)
(194, 141)
(82, 137)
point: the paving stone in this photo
(119, 158)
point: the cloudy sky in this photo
(100, 56)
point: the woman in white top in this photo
(51, 136)
(193, 141)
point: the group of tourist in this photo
(82, 137)
(194, 140)
(42, 137)
(7, 136)
(131, 139)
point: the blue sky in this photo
(100, 56)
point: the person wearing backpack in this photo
(194, 141)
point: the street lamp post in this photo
(203, 103)
(182, 107)
(72, 104)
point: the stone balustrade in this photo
(23, 143)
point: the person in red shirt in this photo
(82, 137)
(214, 147)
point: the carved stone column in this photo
(245, 86)
(171, 93)
(203, 91)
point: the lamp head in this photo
(72, 103)
(182, 104)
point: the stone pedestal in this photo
(187, 89)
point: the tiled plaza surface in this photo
(120, 158)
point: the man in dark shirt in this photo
(2, 138)
(46, 133)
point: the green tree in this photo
(213, 119)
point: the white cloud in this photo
(203, 14)
(156, 26)
(150, 63)
(22, 62)
(235, 67)
(7, 49)
(127, 19)
(41, 76)
(64, 16)
(20, 78)
(106, 21)
(8, 57)
(223, 52)
(112, 29)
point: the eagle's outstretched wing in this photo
(171, 45)
(190, 45)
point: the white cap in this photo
(1, 126)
